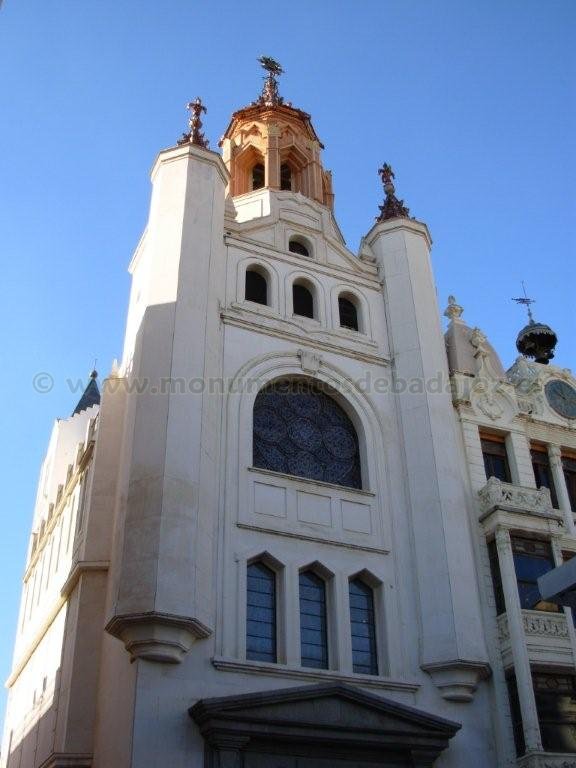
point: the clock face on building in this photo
(562, 397)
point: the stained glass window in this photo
(300, 430)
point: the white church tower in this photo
(262, 547)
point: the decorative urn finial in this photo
(535, 340)
(453, 311)
(270, 96)
(392, 207)
(195, 135)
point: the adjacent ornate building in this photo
(302, 527)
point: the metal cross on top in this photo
(195, 135)
(526, 301)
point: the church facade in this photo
(301, 525)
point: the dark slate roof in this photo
(90, 396)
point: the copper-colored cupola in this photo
(272, 144)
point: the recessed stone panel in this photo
(314, 508)
(356, 517)
(269, 500)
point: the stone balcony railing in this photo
(547, 638)
(507, 497)
(547, 760)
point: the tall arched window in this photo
(285, 176)
(313, 625)
(348, 313)
(258, 176)
(261, 613)
(256, 288)
(363, 628)
(300, 430)
(302, 300)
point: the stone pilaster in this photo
(165, 578)
(452, 647)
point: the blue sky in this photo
(471, 101)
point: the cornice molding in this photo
(273, 327)
(365, 276)
(283, 670)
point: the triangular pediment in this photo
(333, 713)
(327, 705)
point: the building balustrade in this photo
(514, 498)
(546, 634)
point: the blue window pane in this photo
(532, 558)
(313, 627)
(528, 567)
(260, 613)
(363, 628)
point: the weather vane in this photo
(270, 96)
(526, 301)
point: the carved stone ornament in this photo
(524, 375)
(157, 636)
(453, 311)
(563, 764)
(551, 625)
(487, 397)
(310, 361)
(478, 340)
(457, 680)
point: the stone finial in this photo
(453, 311)
(195, 135)
(392, 207)
(270, 96)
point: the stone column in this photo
(520, 460)
(520, 657)
(555, 459)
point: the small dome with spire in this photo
(538, 341)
